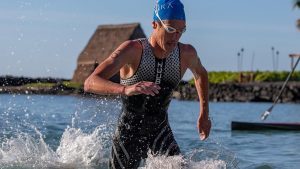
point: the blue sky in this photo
(44, 38)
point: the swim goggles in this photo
(169, 29)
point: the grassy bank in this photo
(64, 84)
(258, 76)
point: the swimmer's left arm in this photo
(201, 83)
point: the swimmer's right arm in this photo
(98, 82)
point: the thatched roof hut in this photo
(103, 42)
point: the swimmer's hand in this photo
(144, 87)
(204, 125)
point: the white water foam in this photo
(180, 162)
(76, 150)
(79, 150)
(77, 147)
(26, 151)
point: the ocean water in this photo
(45, 131)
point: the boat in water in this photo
(238, 125)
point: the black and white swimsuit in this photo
(143, 123)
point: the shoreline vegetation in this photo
(224, 87)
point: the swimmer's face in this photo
(165, 39)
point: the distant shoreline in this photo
(48, 85)
(246, 92)
(222, 92)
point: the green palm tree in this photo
(297, 5)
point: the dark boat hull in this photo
(235, 125)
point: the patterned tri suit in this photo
(143, 124)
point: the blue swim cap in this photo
(169, 10)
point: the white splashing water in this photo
(76, 150)
(179, 162)
(77, 147)
(82, 150)
(26, 151)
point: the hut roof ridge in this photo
(115, 26)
